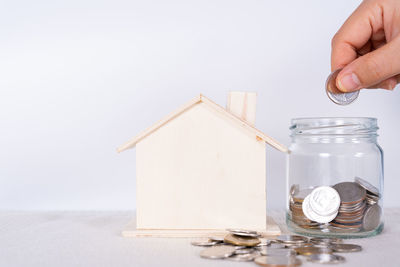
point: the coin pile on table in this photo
(284, 250)
(313, 208)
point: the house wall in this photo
(201, 171)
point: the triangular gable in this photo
(202, 99)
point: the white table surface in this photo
(87, 238)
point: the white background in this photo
(79, 78)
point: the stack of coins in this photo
(285, 250)
(359, 208)
(352, 205)
(373, 194)
(295, 205)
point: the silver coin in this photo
(243, 232)
(218, 252)
(291, 239)
(350, 192)
(277, 252)
(204, 243)
(325, 240)
(346, 248)
(335, 94)
(298, 245)
(264, 242)
(324, 200)
(244, 250)
(294, 189)
(216, 239)
(277, 261)
(247, 234)
(326, 258)
(312, 215)
(244, 257)
(369, 187)
(372, 217)
(234, 231)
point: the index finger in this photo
(353, 35)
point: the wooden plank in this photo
(259, 135)
(272, 229)
(243, 105)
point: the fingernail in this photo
(349, 82)
(392, 85)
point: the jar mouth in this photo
(334, 126)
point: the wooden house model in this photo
(202, 169)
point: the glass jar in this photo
(335, 178)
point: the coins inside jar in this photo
(359, 208)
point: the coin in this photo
(243, 257)
(372, 217)
(301, 195)
(217, 252)
(219, 239)
(243, 232)
(326, 258)
(277, 261)
(204, 243)
(299, 245)
(264, 242)
(334, 94)
(346, 248)
(369, 187)
(313, 250)
(244, 251)
(324, 200)
(291, 239)
(324, 240)
(277, 252)
(241, 240)
(350, 192)
(310, 214)
(294, 189)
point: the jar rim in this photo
(333, 119)
(334, 126)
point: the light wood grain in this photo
(243, 105)
(245, 125)
(130, 230)
(201, 171)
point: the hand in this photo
(367, 47)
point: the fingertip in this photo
(348, 81)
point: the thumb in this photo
(371, 69)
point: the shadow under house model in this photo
(202, 169)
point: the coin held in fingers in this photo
(337, 96)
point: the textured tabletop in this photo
(93, 239)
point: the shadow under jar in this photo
(335, 178)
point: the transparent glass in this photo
(327, 152)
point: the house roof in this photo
(202, 99)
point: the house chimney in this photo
(243, 105)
